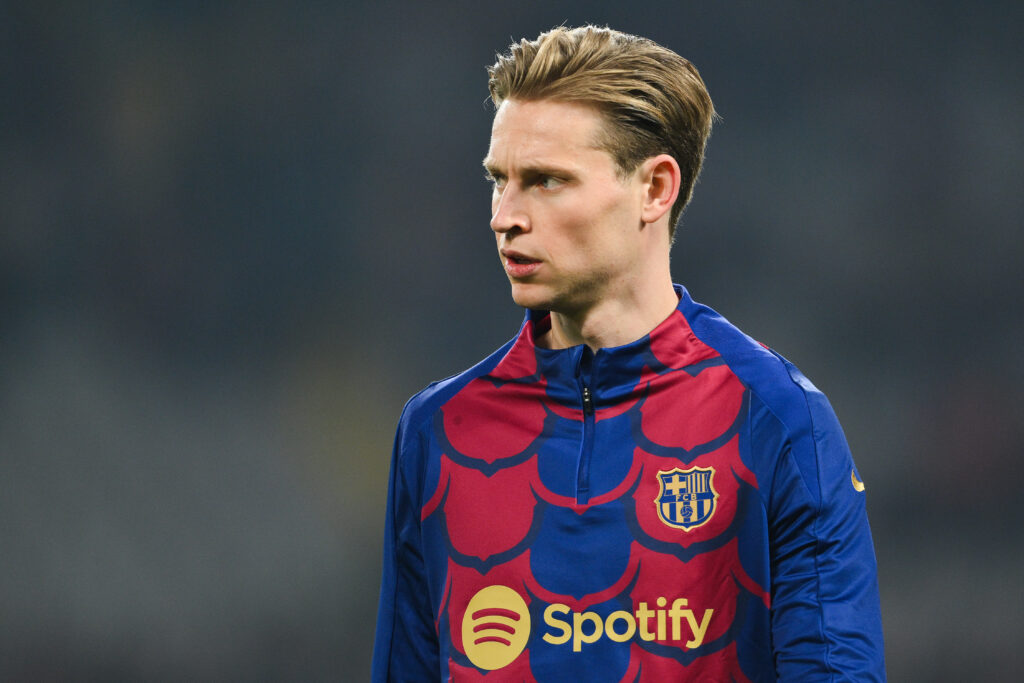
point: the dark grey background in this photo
(234, 239)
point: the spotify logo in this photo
(495, 627)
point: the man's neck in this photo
(612, 322)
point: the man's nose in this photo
(507, 211)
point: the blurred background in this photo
(234, 240)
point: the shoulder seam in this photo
(804, 410)
(826, 641)
(478, 370)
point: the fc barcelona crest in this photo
(687, 497)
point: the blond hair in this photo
(652, 100)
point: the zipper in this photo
(586, 447)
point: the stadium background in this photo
(234, 240)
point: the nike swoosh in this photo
(858, 485)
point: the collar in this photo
(612, 374)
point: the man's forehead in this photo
(542, 116)
(543, 132)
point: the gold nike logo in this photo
(858, 485)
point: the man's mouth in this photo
(519, 265)
(516, 257)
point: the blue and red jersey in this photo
(684, 507)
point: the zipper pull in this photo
(588, 402)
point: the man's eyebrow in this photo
(547, 169)
(491, 169)
(533, 170)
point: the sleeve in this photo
(826, 619)
(406, 646)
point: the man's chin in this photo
(532, 296)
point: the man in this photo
(630, 489)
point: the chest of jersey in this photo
(589, 532)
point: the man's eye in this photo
(497, 183)
(549, 183)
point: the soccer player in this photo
(630, 489)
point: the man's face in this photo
(567, 226)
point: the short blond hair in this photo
(652, 100)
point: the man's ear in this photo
(661, 178)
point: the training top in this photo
(680, 508)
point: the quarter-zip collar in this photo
(612, 375)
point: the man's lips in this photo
(519, 265)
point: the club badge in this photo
(687, 498)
